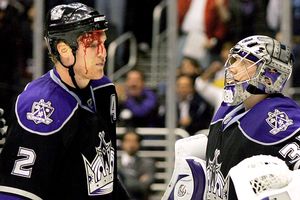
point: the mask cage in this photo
(244, 58)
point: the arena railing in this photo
(154, 145)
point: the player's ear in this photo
(65, 53)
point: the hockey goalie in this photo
(253, 145)
(260, 177)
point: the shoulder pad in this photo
(222, 111)
(271, 121)
(36, 106)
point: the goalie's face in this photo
(239, 72)
(239, 69)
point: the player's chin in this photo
(97, 75)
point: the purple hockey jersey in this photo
(61, 146)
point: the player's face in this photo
(240, 70)
(90, 56)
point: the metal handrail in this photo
(111, 55)
(156, 36)
(160, 156)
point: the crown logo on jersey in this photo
(41, 112)
(100, 172)
(279, 121)
(216, 183)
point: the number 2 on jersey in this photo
(22, 165)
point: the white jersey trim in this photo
(102, 86)
(19, 192)
(264, 143)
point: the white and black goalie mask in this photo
(271, 61)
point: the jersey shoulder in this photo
(223, 110)
(271, 121)
(44, 106)
(100, 83)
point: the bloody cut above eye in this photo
(88, 38)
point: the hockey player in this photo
(255, 117)
(254, 141)
(62, 143)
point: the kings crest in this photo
(100, 173)
(279, 121)
(41, 112)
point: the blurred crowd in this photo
(206, 31)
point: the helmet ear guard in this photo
(274, 63)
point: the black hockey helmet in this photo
(67, 22)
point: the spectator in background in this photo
(137, 173)
(138, 104)
(210, 83)
(216, 20)
(190, 67)
(182, 8)
(194, 113)
(193, 41)
(215, 71)
(210, 92)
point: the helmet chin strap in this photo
(254, 90)
(72, 75)
(71, 69)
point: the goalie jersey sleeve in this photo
(271, 127)
(60, 146)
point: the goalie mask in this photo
(265, 62)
